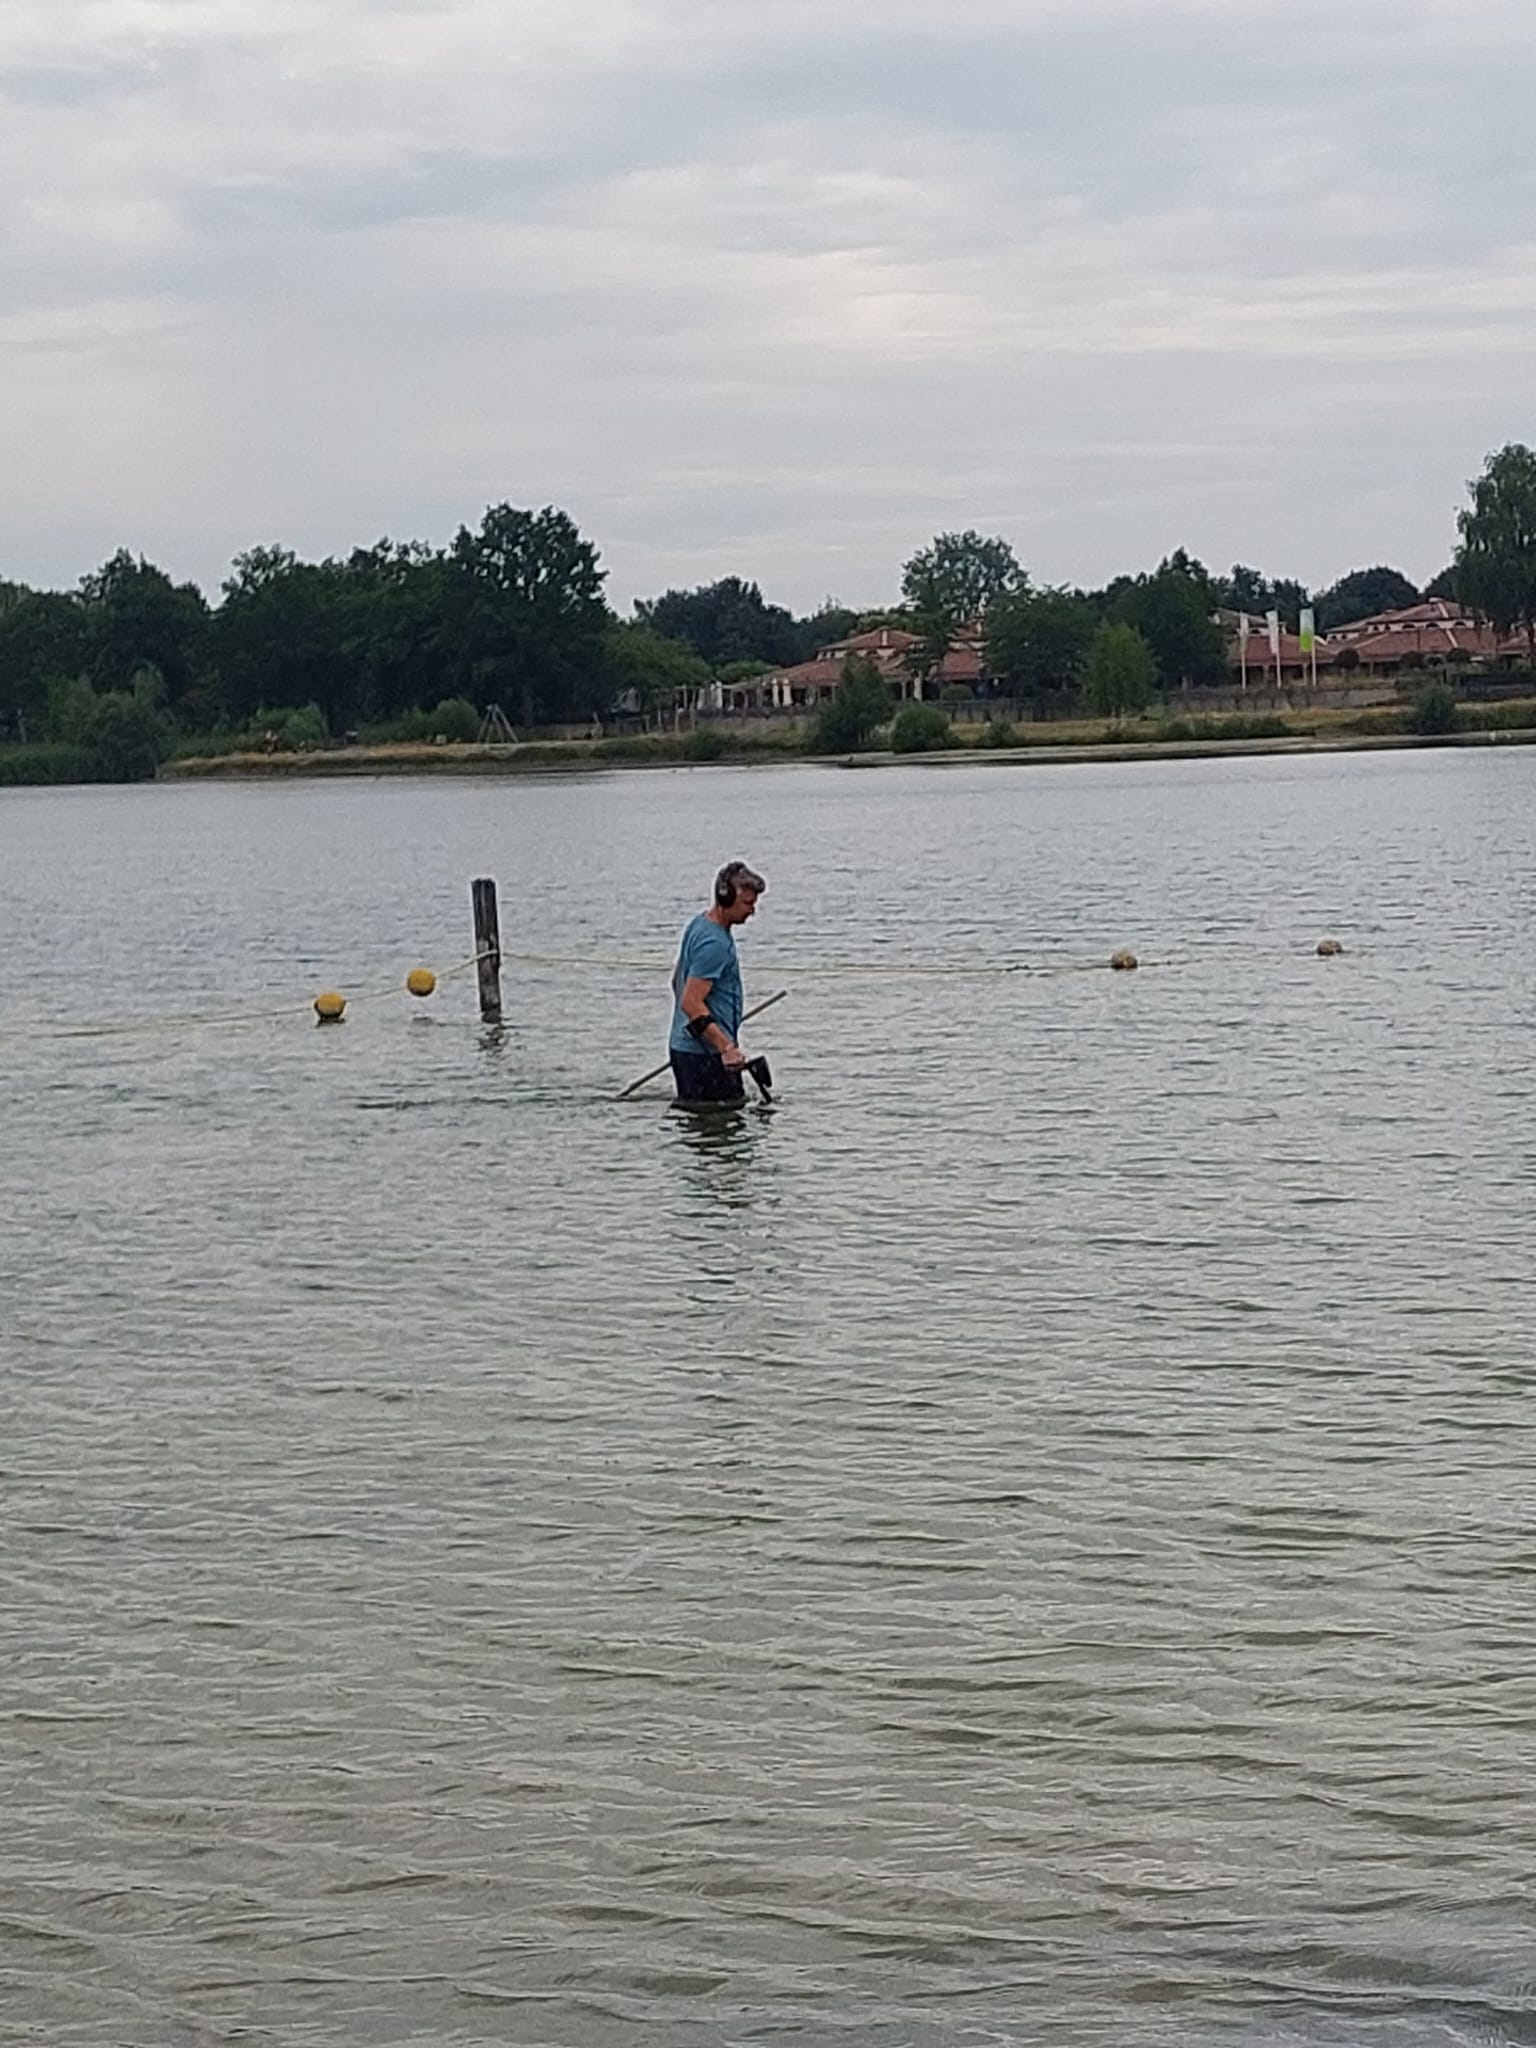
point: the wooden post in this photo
(487, 948)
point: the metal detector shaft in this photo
(756, 1010)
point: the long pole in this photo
(756, 1010)
(487, 947)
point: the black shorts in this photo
(704, 1077)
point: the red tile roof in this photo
(960, 665)
(806, 673)
(1395, 644)
(879, 639)
(1434, 611)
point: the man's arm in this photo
(695, 1004)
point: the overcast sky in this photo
(777, 288)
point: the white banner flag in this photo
(1243, 629)
(1272, 621)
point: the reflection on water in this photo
(725, 1141)
(1027, 1541)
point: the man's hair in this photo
(733, 876)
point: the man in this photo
(707, 1062)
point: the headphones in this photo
(725, 883)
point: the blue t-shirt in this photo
(707, 953)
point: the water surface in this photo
(1028, 1541)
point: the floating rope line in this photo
(811, 970)
(133, 1027)
(653, 969)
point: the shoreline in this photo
(563, 758)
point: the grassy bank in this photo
(1081, 739)
(659, 750)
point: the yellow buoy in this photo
(421, 981)
(1328, 948)
(330, 1007)
(1123, 960)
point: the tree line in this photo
(404, 639)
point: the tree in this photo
(1361, 595)
(1247, 590)
(1120, 672)
(1444, 585)
(394, 604)
(862, 704)
(824, 627)
(1288, 597)
(656, 673)
(527, 614)
(1171, 610)
(935, 622)
(963, 572)
(281, 637)
(725, 622)
(136, 617)
(1182, 563)
(1496, 561)
(44, 639)
(1038, 640)
(952, 584)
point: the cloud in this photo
(776, 290)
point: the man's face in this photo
(743, 907)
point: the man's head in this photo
(737, 889)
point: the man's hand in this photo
(734, 1058)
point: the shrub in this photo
(1510, 715)
(210, 742)
(1245, 725)
(306, 727)
(702, 745)
(1119, 673)
(126, 739)
(454, 719)
(998, 732)
(287, 730)
(860, 708)
(920, 729)
(956, 693)
(26, 766)
(114, 738)
(70, 707)
(1433, 710)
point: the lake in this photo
(1029, 1539)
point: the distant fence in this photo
(1362, 693)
